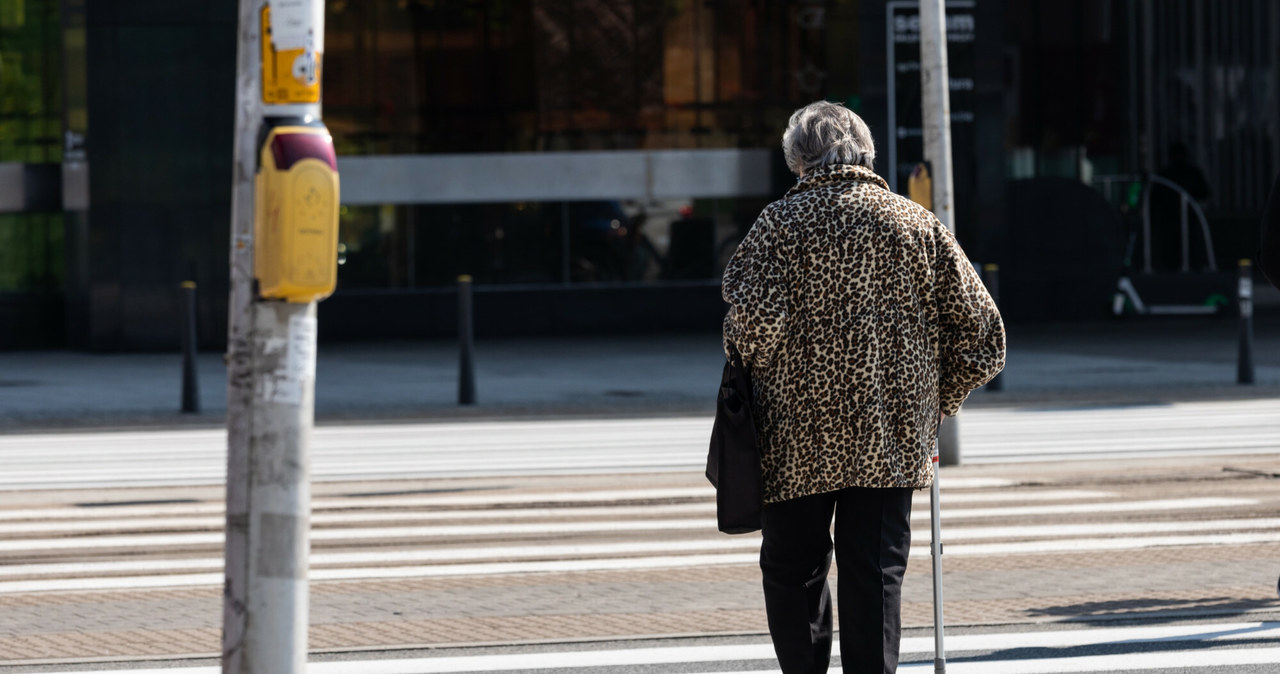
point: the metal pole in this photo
(1147, 140)
(991, 278)
(936, 111)
(1146, 225)
(466, 344)
(271, 352)
(566, 271)
(949, 441)
(1244, 360)
(935, 549)
(190, 384)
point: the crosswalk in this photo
(400, 451)
(174, 545)
(481, 532)
(523, 512)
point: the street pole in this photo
(466, 343)
(1244, 297)
(271, 352)
(190, 342)
(936, 104)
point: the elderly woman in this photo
(862, 322)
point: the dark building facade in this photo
(592, 163)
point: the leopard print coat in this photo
(859, 317)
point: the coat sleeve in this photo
(755, 288)
(971, 347)
(1269, 255)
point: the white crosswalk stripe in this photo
(451, 534)
(1183, 646)
(396, 451)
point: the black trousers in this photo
(872, 537)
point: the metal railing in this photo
(1186, 204)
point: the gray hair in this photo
(824, 133)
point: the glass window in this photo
(31, 252)
(426, 76)
(398, 247)
(1068, 96)
(30, 89)
(31, 244)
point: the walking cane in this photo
(935, 550)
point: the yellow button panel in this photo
(296, 219)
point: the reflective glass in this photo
(428, 76)
(425, 76)
(31, 244)
(30, 82)
(31, 252)
(400, 247)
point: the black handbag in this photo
(733, 461)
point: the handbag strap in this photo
(735, 356)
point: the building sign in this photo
(291, 52)
(906, 126)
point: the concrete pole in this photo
(270, 401)
(936, 103)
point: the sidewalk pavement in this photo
(1123, 361)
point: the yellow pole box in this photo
(296, 215)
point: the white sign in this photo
(297, 24)
(277, 386)
(295, 356)
(302, 348)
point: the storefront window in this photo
(498, 76)
(31, 244)
(31, 252)
(1069, 96)
(540, 243)
(424, 76)
(30, 91)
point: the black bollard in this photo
(1244, 292)
(190, 385)
(991, 279)
(466, 344)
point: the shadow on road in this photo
(1154, 609)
